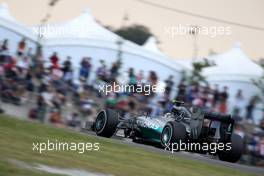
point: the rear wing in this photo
(197, 121)
(218, 117)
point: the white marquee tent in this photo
(151, 45)
(234, 62)
(234, 70)
(14, 31)
(83, 36)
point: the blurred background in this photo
(55, 54)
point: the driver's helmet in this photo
(176, 106)
(177, 109)
(167, 115)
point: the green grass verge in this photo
(16, 138)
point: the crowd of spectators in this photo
(26, 77)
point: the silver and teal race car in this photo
(181, 125)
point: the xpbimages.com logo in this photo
(192, 146)
(79, 147)
(127, 88)
(211, 31)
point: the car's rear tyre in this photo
(106, 123)
(173, 132)
(235, 153)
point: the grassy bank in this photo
(17, 137)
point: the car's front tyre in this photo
(173, 132)
(106, 123)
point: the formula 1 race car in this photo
(181, 125)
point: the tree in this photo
(135, 33)
(196, 75)
(259, 83)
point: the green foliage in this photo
(135, 33)
(259, 82)
(196, 75)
